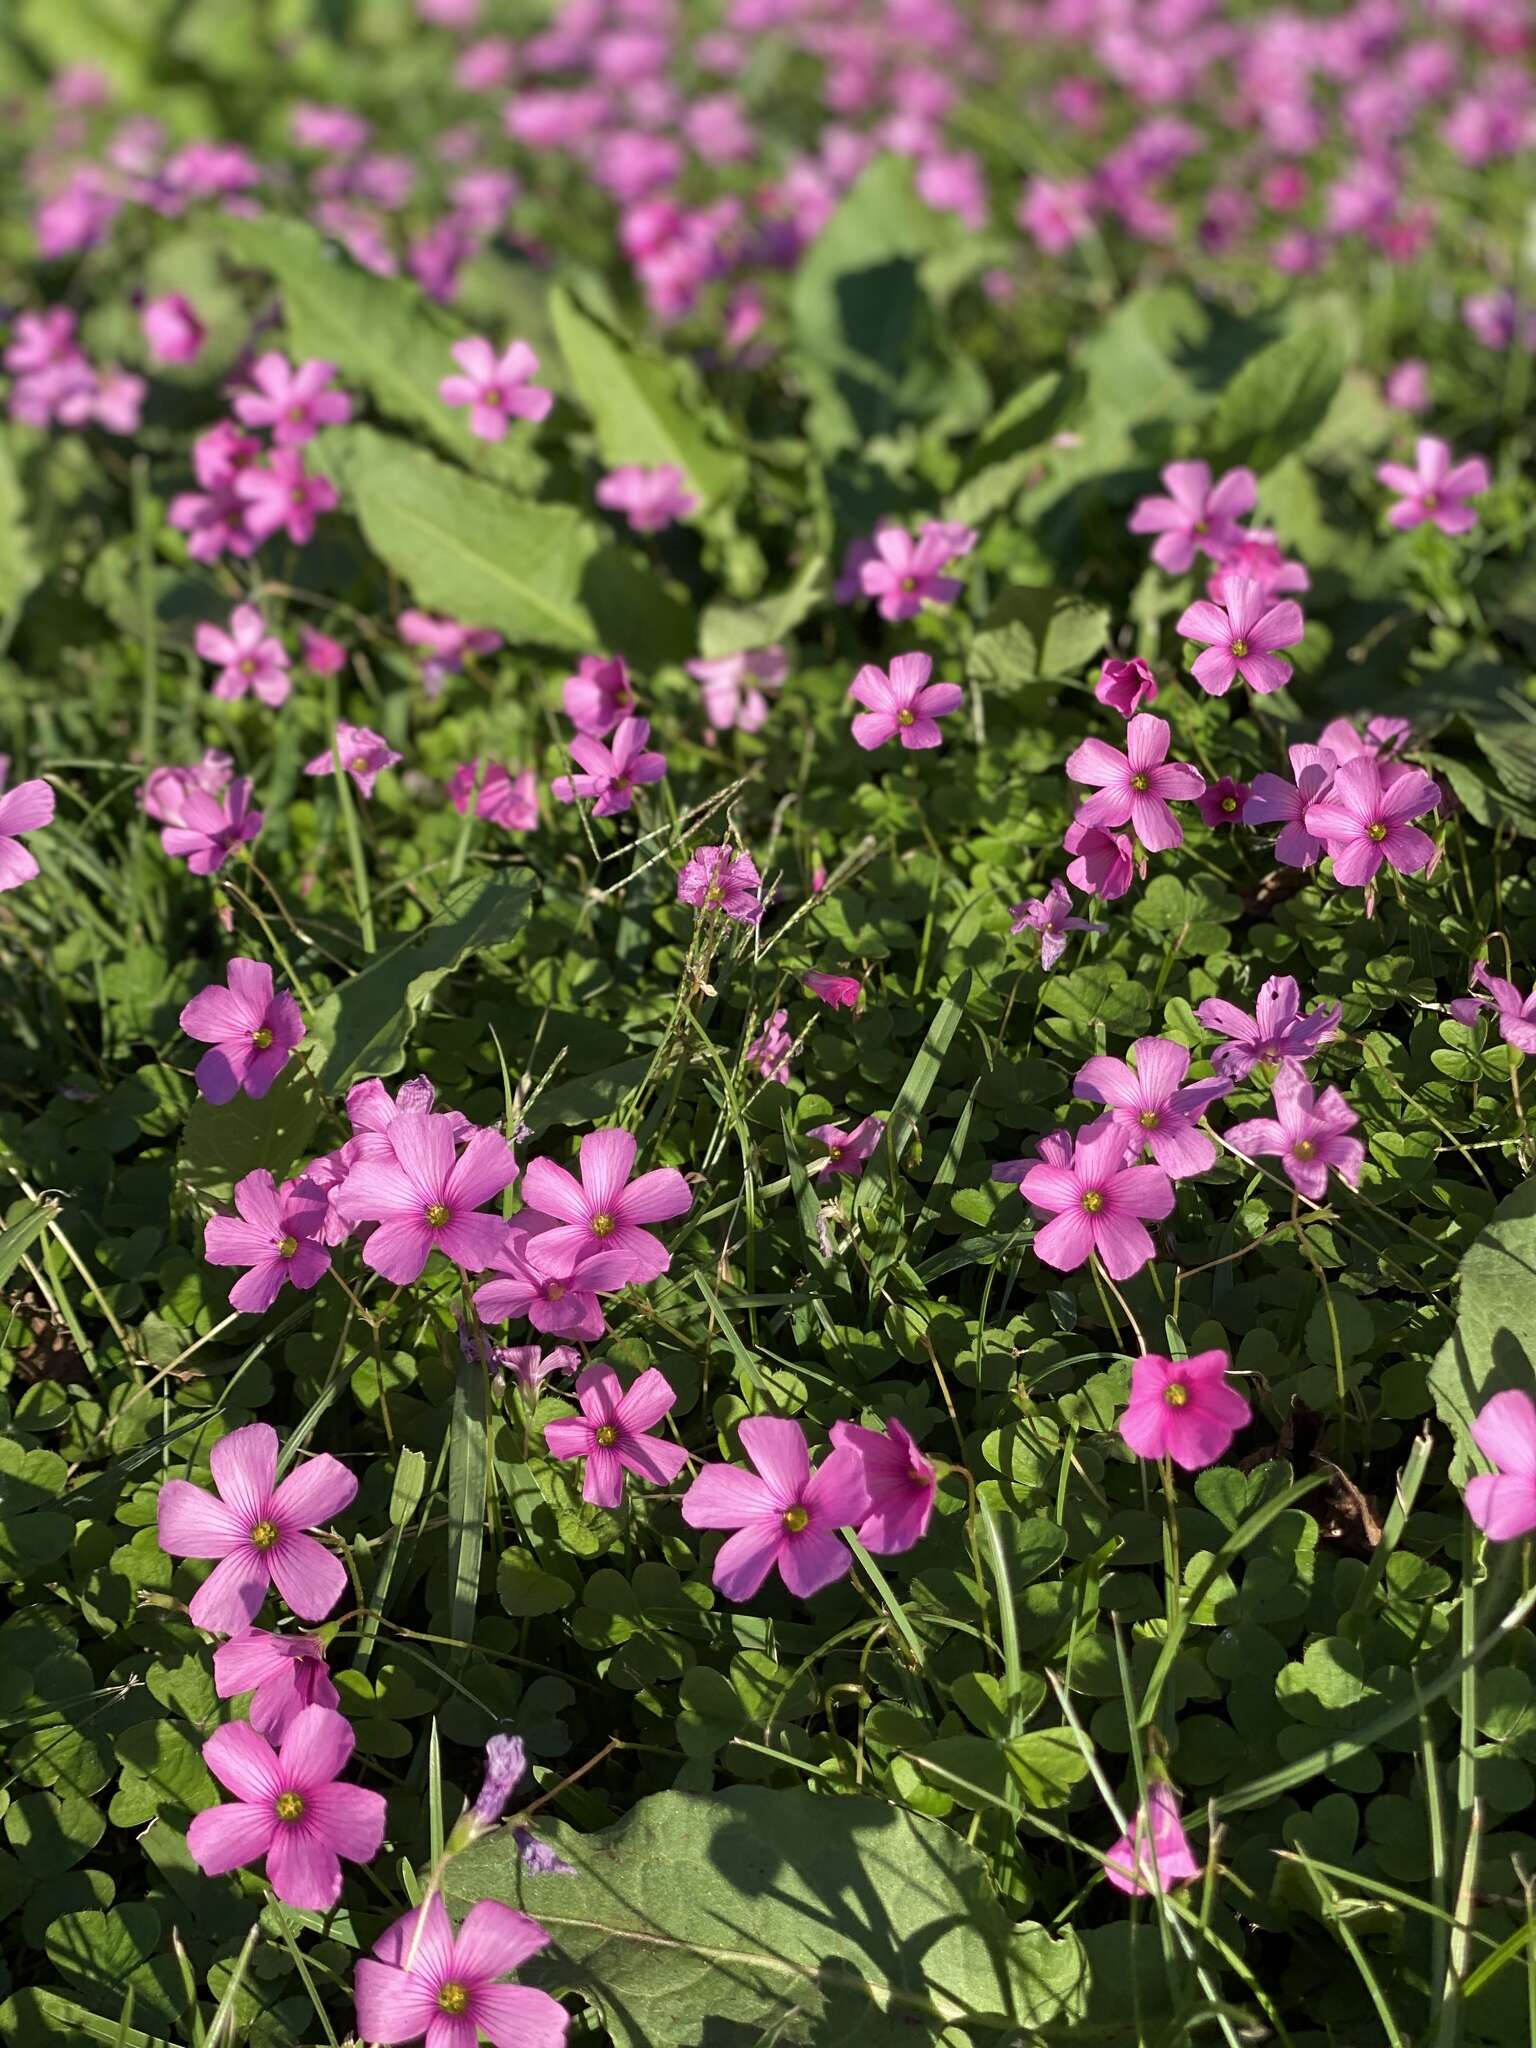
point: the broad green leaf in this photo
(20, 569)
(739, 628)
(1031, 635)
(223, 1142)
(1007, 450)
(1492, 1346)
(1278, 398)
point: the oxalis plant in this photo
(766, 919)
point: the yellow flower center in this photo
(358, 764)
(1430, 500)
(261, 1037)
(1229, 803)
(1149, 1119)
(1304, 1149)
(290, 1807)
(453, 1998)
(438, 1214)
(1140, 784)
(1176, 1394)
(295, 497)
(247, 667)
(1093, 1201)
(286, 1247)
(607, 1435)
(906, 718)
(1239, 648)
(795, 1519)
(554, 1290)
(264, 1535)
(603, 1225)
(715, 893)
(1376, 832)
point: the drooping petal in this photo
(230, 1598)
(810, 1560)
(746, 1558)
(350, 1818)
(520, 2015)
(482, 1170)
(1505, 1432)
(650, 1398)
(495, 1940)
(656, 1197)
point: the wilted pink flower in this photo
(1195, 515)
(543, 1282)
(1276, 1032)
(769, 1051)
(901, 1483)
(275, 1235)
(1307, 1133)
(294, 403)
(1364, 820)
(500, 797)
(1240, 637)
(171, 329)
(599, 695)
(837, 991)
(249, 657)
(783, 1514)
(605, 1210)
(1274, 801)
(1223, 801)
(530, 1365)
(1136, 785)
(1516, 1013)
(611, 773)
(848, 1152)
(613, 1433)
(736, 688)
(26, 808)
(650, 499)
(1256, 559)
(1096, 1203)
(282, 497)
(446, 644)
(249, 1030)
(257, 1531)
(1437, 490)
(362, 753)
(1151, 1105)
(904, 573)
(283, 1675)
(1503, 1502)
(288, 1808)
(211, 827)
(1155, 1853)
(495, 388)
(713, 880)
(1125, 686)
(426, 1197)
(1407, 387)
(903, 705)
(1049, 916)
(1105, 861)
(423, 1981)
(1183, 1409)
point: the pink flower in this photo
(294, 403)
(26, 808)
(837, 991)
(784, 1515)
(500, 797)
(320, 654)
(1152, 1107)
(249, 1031)
(1136, 785)
(769, 1051)
(249, 657)
(1306, 1133)
(848, 1152)
(1223, 801)
(1183, 1409)
(447, 645)
(1240, 636)
(903, 705)
(1274, 801)
(1516, 1013)
(361, 752)
(1382, 738)
(425, 1196)
(171, 329)
(1407, 387)
(1097, 1203)
(1105, 863)
(283, 1675)
(422, 1980)
(256, 1529)
(605, 1210)
(495, 388)
(1436, 490)
(599, 695)
(613, 1433)
(1155, 1852)
(650, 499)
(284, 498)
(611, 774)
(1256, 559)
(901, 1483)
(904, 573)
(165, 791)
(1195, 515)
(1503, 1502)
(1364, 820)
(275, 1235)
(712, 880)
(553, 1290)
(288, 1808)
(1275, 1033)
(1048, 915)
(736, 688)
(1125, 686)
(531, 1366)
(210, 827)
(1056, 212)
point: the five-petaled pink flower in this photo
(1503, 1502)
(499, 796)
(1049, 916)
(1276, 1032)
(171, 329)
(543, 1282)
(289, 1808)
(1365, 820)
(613, 1433)
(605, 1210)
(903, 573)
(294, 403)
(901, 1482)
(1307, 1133)
(1257, 559)
(1125, 686)
(1222, 802)
(1195, 515)
(611, 773)
(1240, 637)
(495, 388)
(283, 1675)
(249, 657)
(1154, 1853)
(1274, 801)
(423, 1981)
(276, 1234)
(903, 705)
(837, 991)
(362, 753)
(1136, 786)
(848, 1152)
(1516, 1013)
(599, 694)
(211, 827)
(712, 879)
(249, 1030)
(426, 1196)
(1097, 1204)
(735, 689)
(26, 808)
(783, 1514)
(256, 1529)
(1105, 862)
(769, 1052)
(283, 497)
(1183, 1409)
(1152, 1106)
(1436, 490)
(445, 644)
(650, 499)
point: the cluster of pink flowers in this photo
(902, 573)
(205, 811)
(248, 491)
(1351, 798)
(53, 380)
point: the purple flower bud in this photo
(505, 1764)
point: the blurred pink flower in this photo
(171, 329)
(611, 774)
(1196, 516)
(249, 657)
(599, 695)
(713, 879)
(1125, 686)
(294, 403)
(362, 753)
(26, 808)
(495, 388)
(1436, 490)
(650, 499)
(500, 797)
(211, 827)
(1503, 1502)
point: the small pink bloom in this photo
(848, 1152)
(606, 1211)
(500, 797)
(1136, 785)
(1364, 820)
(1183, 1409)
(288, 1808)
(904, 573)
(1276, 1032)
(1195, 515)
(1125, 686)
(275, 1235)
(1105, 862)
(1383, 738)
(1407, 387)
(1152, 1106)
(248, 656)
(538, 1278)
(211, 827)
(1256, 559)
(784, 1515)
(26, 808)
(837, 991)
(613, 1433)
(769, 1051)
(1503, 1502)
(530, 1365)
(294, 403)
(735, 689)
(611, 774)
(1307, 1133)
(165, 790)
(283, 1675)
(171, 329)
(1274, 801)
(1516, 1013)
(713, 880)
(425, 1197)
(257, 1531)
(1097, 1204)
(283, 497)
(1437, 490)
(1056, 212)
(446, 645)
(250, 1032)
(1223, 802)
(1240, 637)
(320, 654)
(903, 705)
(495, 388)
(362, 753)
(599, 695)
(901, 1483)
(1048, 915)
(1155, 1853)
(422, 1980)
(650, 499)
